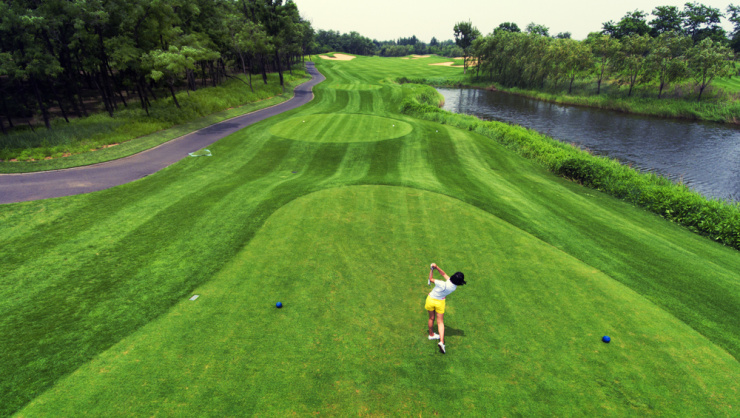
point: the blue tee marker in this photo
(606, 339)
(279, 305)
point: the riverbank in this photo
(702, 155)
(723, 112)
(715, 219)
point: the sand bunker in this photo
(420, 56)
(338, 57)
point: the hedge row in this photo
(718, 220)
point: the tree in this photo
(667, 58)
(572, 59)
(631, 62)
(465, 34)
(507, 27)
(536, 29)
(708, 60)
(632, 23)
(167, 65)
(701, 22)
(604, 48)
(733, 13)
(248, 39)
(667, 19)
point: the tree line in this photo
(61, 53)
(674, 47)
(355, 43)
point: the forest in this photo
(74, 55)
(61, 58)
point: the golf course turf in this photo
(338, 218)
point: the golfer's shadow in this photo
(452, 331)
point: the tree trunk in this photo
(172, 90)
(151, 91)
(59, 102)
(142, 97)
(191, 80)
(44, 110)
(5, 111)
(244, 70)
(71, 99)
(280, 69)
(104, 95)
(116, 86)
(203, 74)
(570, 87)
(213, 74)
(264, 69)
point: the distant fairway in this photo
(341, 128)
(338, 217)
(356, 86)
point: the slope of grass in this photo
(98, 318)
(351, 342)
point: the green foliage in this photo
(633, 23)
(59, 53)
(709, 60)
(465, 36)
(631, 64)
(100, 130)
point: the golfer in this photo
(436, 302)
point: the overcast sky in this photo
(393, 19)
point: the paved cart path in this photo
(78, 180)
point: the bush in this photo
(579, 170)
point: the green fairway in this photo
(338, 218)
(341, 128)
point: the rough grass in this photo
(99, 319)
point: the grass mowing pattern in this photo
(341, 128)
(99, 281)
(369, 325)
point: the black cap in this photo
(458, 279)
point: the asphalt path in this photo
(72, 181)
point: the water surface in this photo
(705, 156)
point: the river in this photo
(705, 156)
